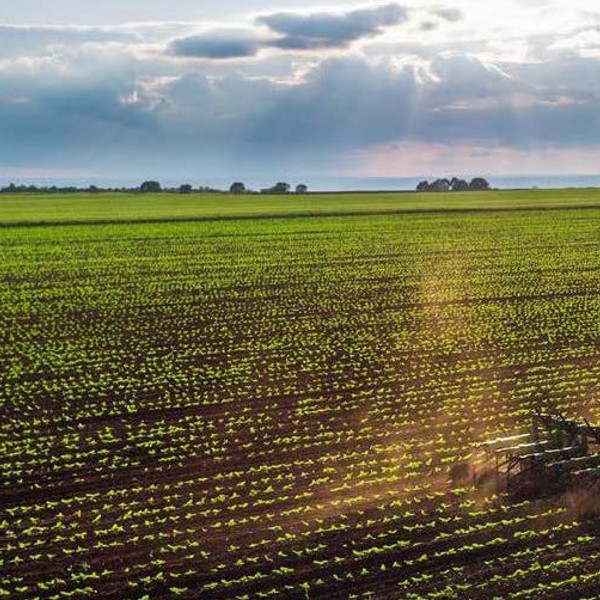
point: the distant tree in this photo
(423, 186)
(185, 188)
(301, 188)
(237, 187)
(150, 186)
(281, 188)
(459, 185)
(440, 185)
(479, 184)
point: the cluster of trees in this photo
(280, 187)
(155, 186)
(479, 184)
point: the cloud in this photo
(71, 107)
(451, 15)
(216, 45)
(448, 14)
(330, 30)
(75, 116)
(113, 98)
(22, 40)
(350, 103)
(294, 31)
(585, 42)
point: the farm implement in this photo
(557, 454)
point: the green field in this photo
(266, 406)
(31, 208)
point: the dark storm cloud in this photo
(329, 30)
(215, 46)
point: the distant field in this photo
(291, 407)
(124, 207)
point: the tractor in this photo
(557, 454)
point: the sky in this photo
(240, 89)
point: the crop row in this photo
(291, 408)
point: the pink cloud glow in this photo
(412, 159)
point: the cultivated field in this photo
(107, 208)
(288, 404)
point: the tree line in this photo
(152, 186)
(478, 184)
(237, 187)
